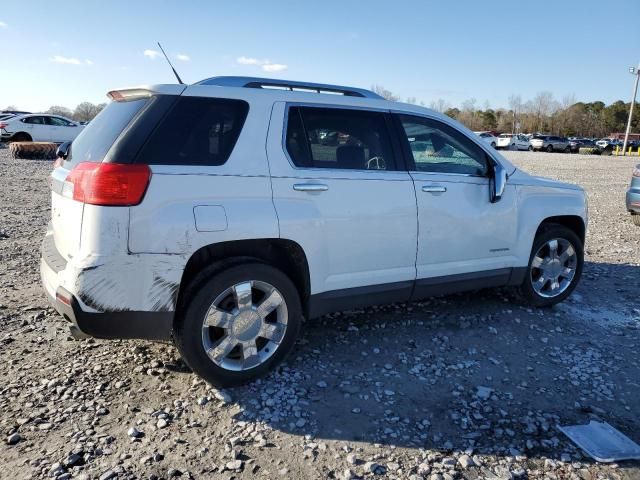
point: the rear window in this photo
(197, 131)
(95, 140)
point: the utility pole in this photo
(636, 72)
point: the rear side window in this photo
(34, 120)
(95, 140)
(339, 138)
(197, 131)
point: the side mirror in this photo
(63, 150)
(497, 183)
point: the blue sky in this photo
(62, 52)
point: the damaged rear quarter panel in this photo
(166, 224)
(128, 282)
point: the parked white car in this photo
(510, 141)
(39, 127)
(606, 142)
(219, 215)
(488, 137)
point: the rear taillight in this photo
(636, 171)
(109, 184)
(3, 125)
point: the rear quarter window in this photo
(196, 131)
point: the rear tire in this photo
(550, 149)
(21, 137)
(567, 150)
(636, 219)
(530, 148)
(244, 342)
(537, 288)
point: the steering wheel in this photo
(376, 163)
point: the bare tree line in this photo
(543, 113)
(84, 112)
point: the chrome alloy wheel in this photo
(244, 325)
(553, 267)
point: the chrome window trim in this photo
(287, 108)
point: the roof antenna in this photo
(169, 62)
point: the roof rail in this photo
(256, 82)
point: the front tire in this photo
(238, 323)
(636, 219)
(550, 148)
(555, 266)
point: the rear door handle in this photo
(310, 187)
(434, 189)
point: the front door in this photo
(341, 192)
(462, 236)
(61, 129)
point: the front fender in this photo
(536, 203)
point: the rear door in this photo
(35, 127)
(342, 193)
(462, 236)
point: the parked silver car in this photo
(633, 196)
(549, 143)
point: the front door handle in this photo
(434, 189)
(310, 187)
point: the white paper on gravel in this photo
(602, 442)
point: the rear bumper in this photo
(63, 285)
(633, 200)
(127, 324)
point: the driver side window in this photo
(57, 122)
(339, 139)
(437, 147)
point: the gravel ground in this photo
(464, 386)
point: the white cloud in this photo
(88, 62)
(248, 61)
(3, 24)
(65, 60)
(265, 65)
(274, 67)
(152, 54)
(183, 58)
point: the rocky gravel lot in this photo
(465, 386)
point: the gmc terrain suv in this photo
(219, 215)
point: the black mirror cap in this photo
(63, 150)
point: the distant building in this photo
(620, 136)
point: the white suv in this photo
(39, 127)
(219, 215)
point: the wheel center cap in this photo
(246, 325)
(555, 267)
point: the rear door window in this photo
(95, 140)
(34, 120)
(339, 138)
(197, 131)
